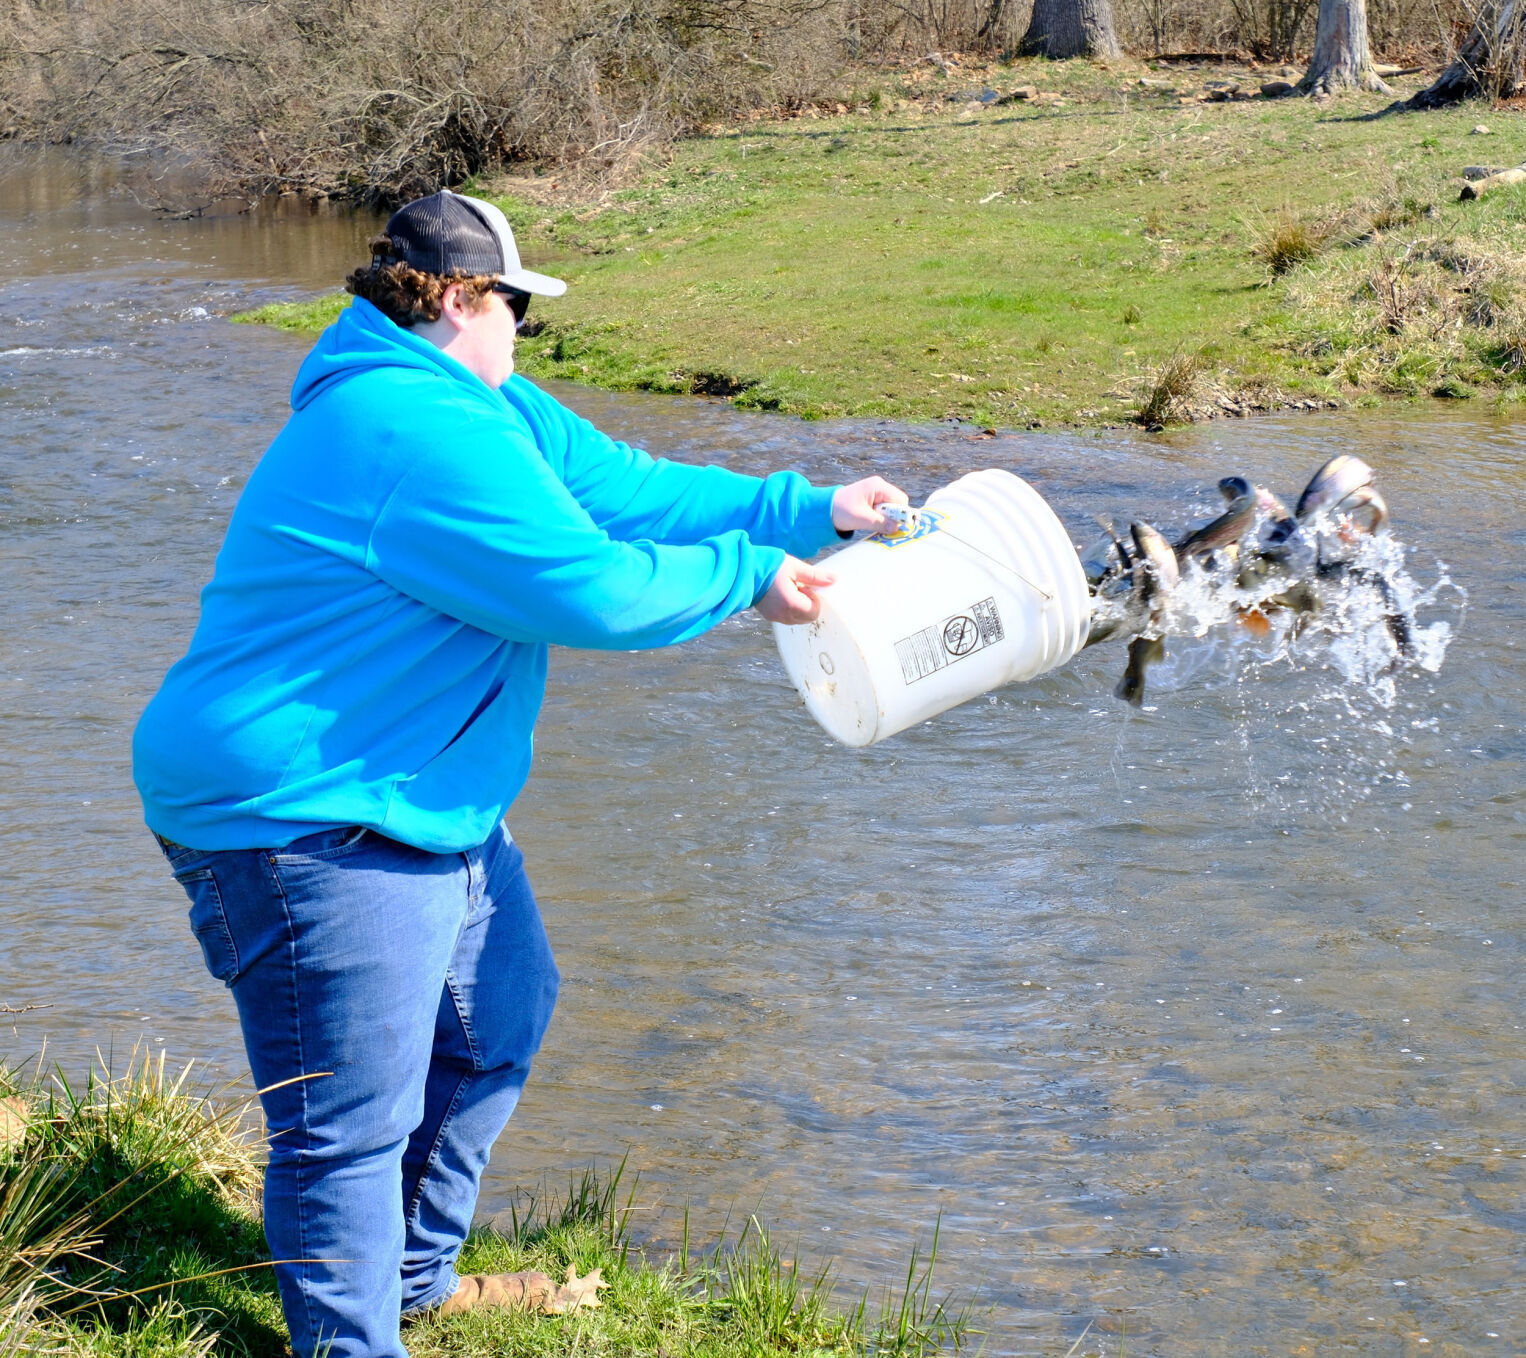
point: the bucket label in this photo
(927, 522)
(958, 636)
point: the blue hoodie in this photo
(372, 645)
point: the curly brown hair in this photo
(403, 294)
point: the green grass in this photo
(1436, 308)
(129, 1228)
(919, 259)
(164, 1186)
(297, 318)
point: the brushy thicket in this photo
(383, 99)
(379, 100)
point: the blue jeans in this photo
(391, 1001)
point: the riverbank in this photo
(130, 1228)
(1041, 260)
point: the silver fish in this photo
(1338, 530)
(1342, 495)
(1158, 571)
(1143, 652)
(1222, 534)
(1338, 508)
(1109, 567)
(1401, 625)
(1277, 560)
(1275, 531)
(1156, 575)
(1275, 523)
(1340, 477)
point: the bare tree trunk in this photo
(1342, 58)
(1071, 28)
(1489, 62)
(990, 26)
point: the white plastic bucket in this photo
(984, 589)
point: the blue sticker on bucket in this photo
(927, 523)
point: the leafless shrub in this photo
(946, 25)
(1406, 31)
(1394, 297)
(386, 99)
(1271, 28)
(1408, 296)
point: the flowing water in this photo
(1200, 1024)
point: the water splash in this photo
(1333, 704)
(1346, 606)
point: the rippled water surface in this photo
(1203, 1022)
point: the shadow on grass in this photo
(182, 1258)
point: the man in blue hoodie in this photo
(329, 766)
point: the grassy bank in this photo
(923, 255)
(129, 1228)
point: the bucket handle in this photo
(906, 518)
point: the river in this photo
(1201, 1024)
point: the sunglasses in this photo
(518, 302)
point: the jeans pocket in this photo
(209, 923)
(323, 846)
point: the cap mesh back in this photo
(441, 234)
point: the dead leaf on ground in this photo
(575, 1294)
(13, 1122)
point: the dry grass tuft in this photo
(150, 1115)
(1393, 209)
(1284, 241)
(128, 1215)
(1169, 400)
(38, 1228)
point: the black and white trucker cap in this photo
(449, 231)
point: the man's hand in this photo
(854, 507)
(792, 596)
